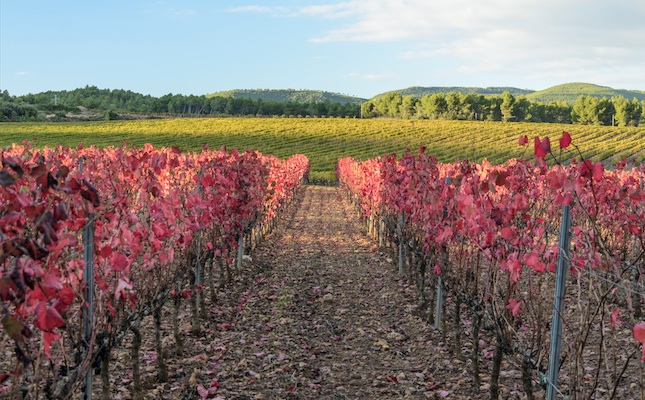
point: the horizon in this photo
(347, 47)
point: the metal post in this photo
(399, 230)
(88, 293)
(438, 304)
(438, 312)
(560, 288)
(240, 251)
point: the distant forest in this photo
(115, 104)
(91, 102)
(586, 110)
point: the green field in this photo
(326, 140)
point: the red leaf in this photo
(118, 261)
(507, 233)
(66, 295)
(51, 284)
(106, 251)
(538, 150)
(598, 171)
(565, 140)
(524, 140)
(614, 318)
(546, 144)
(47, 318)
(514, 306)
(639, 334)
(48, 338)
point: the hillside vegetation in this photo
(324, 141)
(570, 92)
(567, 92)
(284, 95)
(420, 91)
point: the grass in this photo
(326, 140)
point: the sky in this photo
(360, 48)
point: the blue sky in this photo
(359, 48)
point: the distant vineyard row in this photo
(324, 141)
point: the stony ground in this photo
(319, 313)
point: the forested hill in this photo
(292, 95)
(420, 91)
(569, 92)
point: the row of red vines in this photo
(491, 232)
(147, 206)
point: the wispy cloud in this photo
(22, 73)
(573, 37)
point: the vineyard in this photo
(324, 141)
(94, 240)
(480, 243)
(108, 248)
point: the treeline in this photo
(587, 110)
(112, 102)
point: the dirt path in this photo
(326, 319)
(319, 313)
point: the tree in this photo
(628, 113)
(521, 109)
(407, 109)
(605, 111)
(507, 107)
(585, 111)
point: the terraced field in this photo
(326, 140)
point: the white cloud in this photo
(22, 73)
(539, 37)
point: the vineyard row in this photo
(487, 237)
(160, 222)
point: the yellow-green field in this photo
(326, 140)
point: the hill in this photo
(420, 91)
(569, 92)
(284, 95)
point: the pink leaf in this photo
(614, 318)
(639, 334)
(121, 288)
(118, 261)
(202, 392)
(507, 233)
(514, 306)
